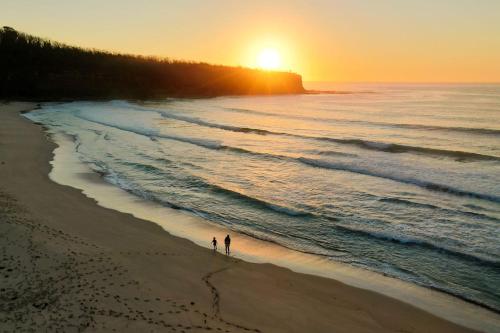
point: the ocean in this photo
(401, 180)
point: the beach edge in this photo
(229, 291)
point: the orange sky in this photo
(381, 41)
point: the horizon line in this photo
(403, 82)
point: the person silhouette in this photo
(214, 243)
(227, 242)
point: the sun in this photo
(269, 59)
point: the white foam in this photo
(69, 170)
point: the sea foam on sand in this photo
(69, 170)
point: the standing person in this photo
(227, 242)
(214, 243)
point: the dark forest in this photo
(38, 68)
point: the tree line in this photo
(38, 68)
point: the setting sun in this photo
(269, 59)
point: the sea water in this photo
(402, 180)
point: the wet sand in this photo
(68, 264)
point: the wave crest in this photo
(365, 144)
(214, 145)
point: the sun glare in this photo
(269, 59)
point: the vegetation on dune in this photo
(37, 68)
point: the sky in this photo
(323, 40)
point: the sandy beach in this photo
(68, 264)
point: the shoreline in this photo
(307, 302)
(68, 170)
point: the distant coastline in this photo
(40, 69)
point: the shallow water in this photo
(402, 180)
